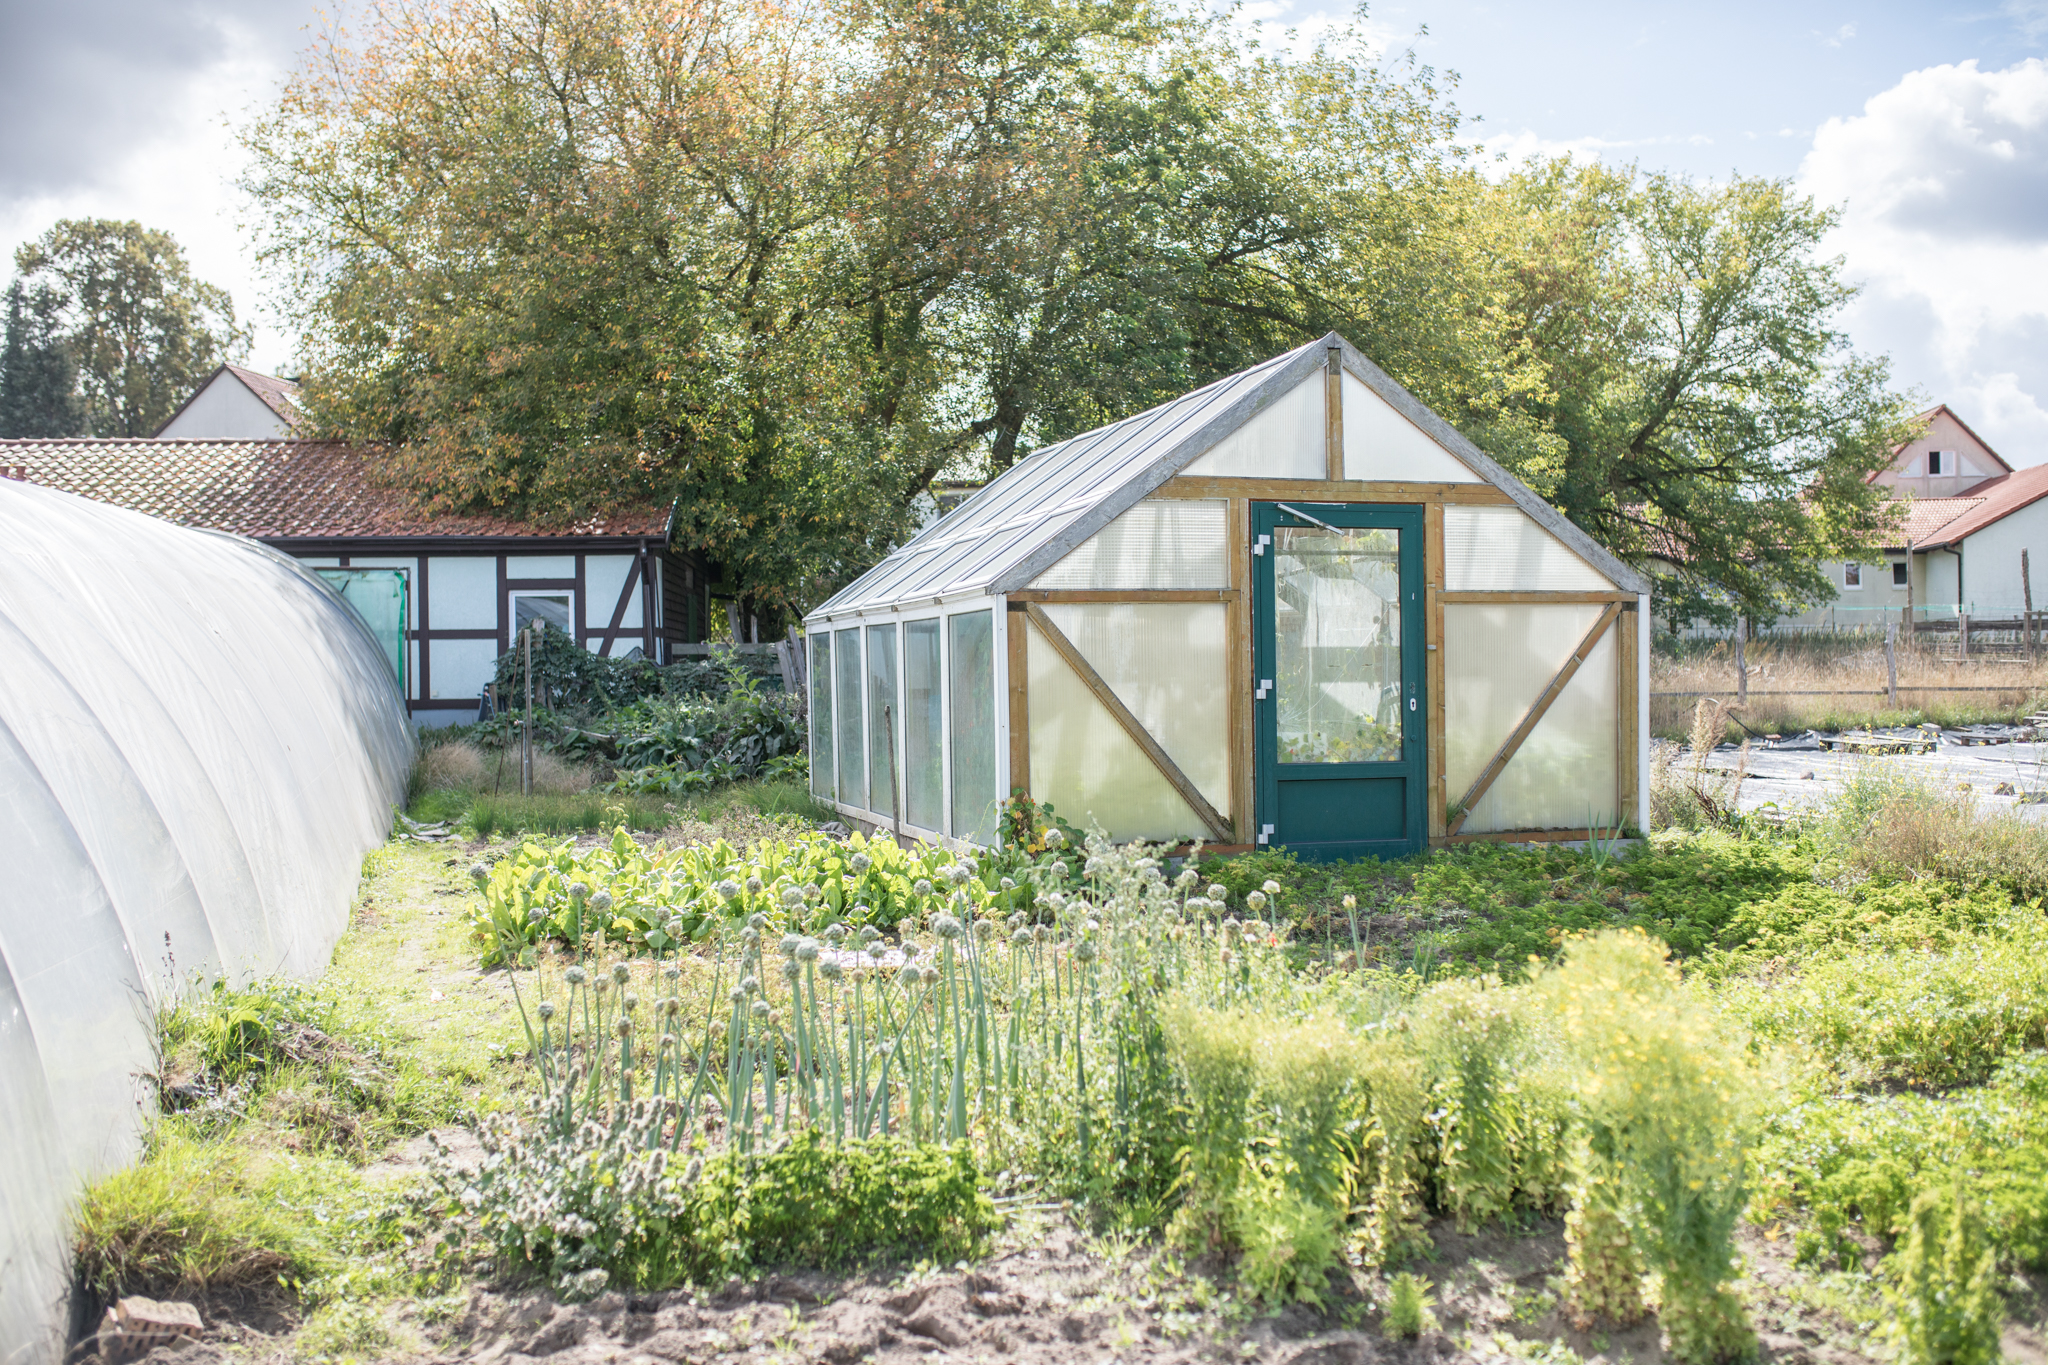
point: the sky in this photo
(1925, 124)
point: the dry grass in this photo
(460, 766)
(1897, 826)
(1849, 687)
(463, 767)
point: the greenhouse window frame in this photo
(939, 610)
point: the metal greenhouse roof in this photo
(1041, 508)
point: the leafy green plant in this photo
(1670, 1102)
(1946, 1300)
(1603, 1278)
(1290, 1242)
(1409, 1307)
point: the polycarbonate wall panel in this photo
(1286, 441)
(848, 687)
(924, 724)
(1382, 445)
(822, 752)
(885, 722)
(1166, 663)
(1501, 549)
(1163, 544)
(1497, 661)
(971, 724)
(198, 740)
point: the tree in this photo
(37, 397)
(138, 329)
(786, 264)
(1710, 419)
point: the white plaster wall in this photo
(603, 576)
(225, 410)
(1991, 563)
(462, 592)
(462, 667)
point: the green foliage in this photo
(37, 379)
(1290, 1242)
(1409, 1303)
(139, 330)
(1670, 1103)
(1946, 1297)
(651, 900)
(197, 1217)
(1603, 1278)
(1508, 904)
(1931, 1018)
(1851, 1161)
(1498, 1127)
(591, 1206)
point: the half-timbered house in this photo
(458, 586)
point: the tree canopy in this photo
(137, 330)
(787, 264)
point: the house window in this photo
(1899, 573)
(1852, 575)
(555, 609)
(1937, 462)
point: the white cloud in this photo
(1943, 185)
(176, 171)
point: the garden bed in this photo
(309, 1170)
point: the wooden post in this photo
(1912, 639)
(1891, 665)
(526, 731)
(2027, 589)
(1963, 634)
(1741, 662)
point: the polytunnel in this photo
(198, 742)
(1292, 608)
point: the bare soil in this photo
(1050, 1294)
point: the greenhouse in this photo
(198, 742)
(1292, 608)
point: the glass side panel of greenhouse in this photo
(847, 687)
(821, 716)
(971, 723)
(885, 722)
(923, 726)
(1337, 638)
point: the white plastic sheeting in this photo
(198, 742)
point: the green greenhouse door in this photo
(1337, 705)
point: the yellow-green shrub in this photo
(1669, 1100)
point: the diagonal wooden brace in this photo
(1054, 636)
(1537, 709)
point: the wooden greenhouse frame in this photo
(1248, 521)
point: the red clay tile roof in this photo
(1925, 516)
(271, 490)
(279, 395)
(1995, 499)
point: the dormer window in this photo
(1941, 462)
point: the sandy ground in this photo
(1796, 773)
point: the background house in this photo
(1957, 550)
(235, 404)
(449, 592)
